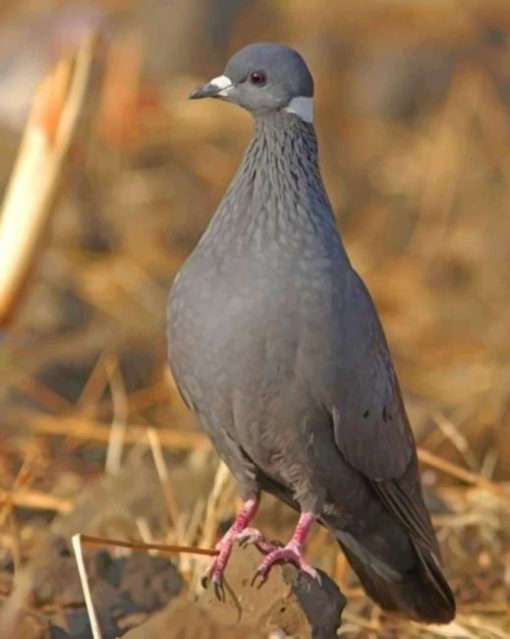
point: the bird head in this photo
(264, 78)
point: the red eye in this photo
(258, 78)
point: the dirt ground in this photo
(413, 119)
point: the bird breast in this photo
(249, 317)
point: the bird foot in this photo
(218, 564)
(224, 546)
(291, 553)
(254, 536)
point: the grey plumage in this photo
(275, 344)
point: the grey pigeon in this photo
(275, 344)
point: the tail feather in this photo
(398, 565)
(419, 591)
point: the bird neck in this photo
(277, 193)
(282, 140)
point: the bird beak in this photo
(218, 87)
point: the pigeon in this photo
(276, 346)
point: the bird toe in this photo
(290, 553)
(254, 536)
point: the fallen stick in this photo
(448, 468)
(35, 500)
(83, 428)
(34, 182)
(142, 546)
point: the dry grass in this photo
(414, 123)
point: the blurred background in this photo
(413, 119)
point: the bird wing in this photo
(371, 428)
(403, 498)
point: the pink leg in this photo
(225, 544)
(293, 551)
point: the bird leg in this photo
(292, 552)
(236, 531)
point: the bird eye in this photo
(258, 78)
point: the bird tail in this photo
(417, 590)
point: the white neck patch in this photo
(302, 107)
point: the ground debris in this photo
(125, 589)
(184, 619)
(288, 604)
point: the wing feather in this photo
(371, 427)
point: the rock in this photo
(125, 589)
(289, 601)
(288, 605)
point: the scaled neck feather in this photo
(277, 193)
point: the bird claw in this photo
(224, 548)
(254, 536)
(219, 590)
(290, 553)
